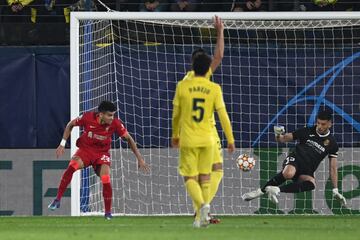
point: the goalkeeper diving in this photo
(314, 144)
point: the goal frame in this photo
(75, 17)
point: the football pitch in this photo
(239, 227)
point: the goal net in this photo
(277, 70)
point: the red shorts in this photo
(95, 159)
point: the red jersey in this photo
(97, 136)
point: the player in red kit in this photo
(94, 147)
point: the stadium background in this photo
(35, 96)
(35, 104)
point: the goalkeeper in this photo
(315, 143)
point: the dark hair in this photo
(324, 115)
(106, 106)
(200, 62)
(196, 52)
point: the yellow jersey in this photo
(208, 75)
(197, 99)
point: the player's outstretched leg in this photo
(252, 195)
(54, 204)
(277, 180)
(65, 180)
(297, 187)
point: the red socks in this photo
(107, 192)
(66, 178)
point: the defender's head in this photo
(323, 122)
(106, 111)
(200, 62)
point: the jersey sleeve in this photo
(176, 101)
(219, 100)
(120, 128)
(300, 134)
(226, 125)
(82, 119)
(333, 152)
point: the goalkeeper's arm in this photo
(334, 181)
(281, 136)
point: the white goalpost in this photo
(278, 68)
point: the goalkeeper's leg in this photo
(287, 173)
(277, 180)
(303, 184)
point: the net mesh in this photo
(273, 72)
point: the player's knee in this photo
(105, 179)
(204, 178)
(187, 178)
(217, 167)
(288, 174)
(310, 185)
(74, 164)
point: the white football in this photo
(245, 162)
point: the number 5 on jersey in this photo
(198, 109)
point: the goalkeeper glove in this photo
(279, 130)
(339, 197)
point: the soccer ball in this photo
(245, 162)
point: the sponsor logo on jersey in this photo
(96, 136)
(92, 127)
(99, 137)
(311, 135)
(315, 146)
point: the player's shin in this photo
(66, 178)
(205, 189)
(277, 180)
(215, 180)
(107, 192)
(194, 190)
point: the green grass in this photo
(159, 228)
